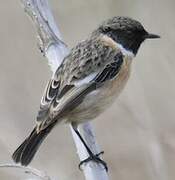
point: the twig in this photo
(55, 50)
(28, 170)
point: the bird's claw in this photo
(96, 159)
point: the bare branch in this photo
(49, 38)
(34, 173)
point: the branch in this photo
(55, 50)
(49, 38)
(34, 173)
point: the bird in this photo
(87, 82)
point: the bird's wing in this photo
(76, 94)
(88, 65)
(73, 94)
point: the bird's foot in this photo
(95, 158)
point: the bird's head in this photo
(126, 31)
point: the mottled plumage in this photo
(94, 58)
(89, 79)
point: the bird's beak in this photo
(152, 36)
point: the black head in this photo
(126, 31)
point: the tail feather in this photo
(16, 155)
(27, 150)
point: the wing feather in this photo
(81, 72)
(75, 94)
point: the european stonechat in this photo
(89, 79)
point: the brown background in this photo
(137, 133)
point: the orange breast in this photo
(99, 100)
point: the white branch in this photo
(92, 171)
(25, 171)
(49, 38)
(55, 50)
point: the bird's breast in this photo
(97, 101)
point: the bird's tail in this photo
(27, 150)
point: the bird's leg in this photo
(92, 156)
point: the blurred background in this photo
(137, 133)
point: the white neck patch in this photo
(125, 52)
(110, 42)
